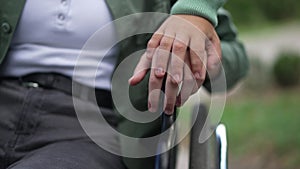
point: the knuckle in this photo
(157, 34)
(152, 43)
(153, 81)
(170, 102)
(164, 45)
(179, 47)
(196, 65)
(200, 53)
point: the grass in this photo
(265, 124)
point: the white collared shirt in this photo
(51, 34)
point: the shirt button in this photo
(6, 28)
(63, 2)
(61, 17)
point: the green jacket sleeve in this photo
(204, 8)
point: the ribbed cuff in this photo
(204, 8)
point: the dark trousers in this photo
(39, 130)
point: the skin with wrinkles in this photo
(184, 48)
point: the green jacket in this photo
(235, 64)
(234, 58)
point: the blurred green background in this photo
(262, 115)
(254, 12)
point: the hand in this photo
(185, 46)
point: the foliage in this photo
(258, 77)
(264, 125)
(286, 69)
(258, 11)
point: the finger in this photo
(158, 69)
(162, 55)
(188, 85)
(155, 84)
(198, 59)
(188, 74)
(214, 46)
(153, 43)
(174, 78)
(213, 56)
(146, 59)
(178, 55)
(140, 70)
(184, 96)
(170, 95)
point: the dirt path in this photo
(266, 45)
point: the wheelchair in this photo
(212, 154)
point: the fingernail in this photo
(151, 108)
(176, 78)
(197, 75)
(159, 71)
(130, 79)
(168, 112)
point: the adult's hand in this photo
(185, 46)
